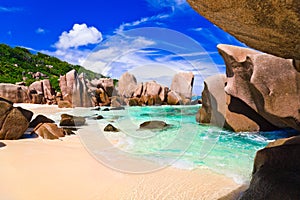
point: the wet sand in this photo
(63, 169)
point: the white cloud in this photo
(9, 9)
(197, 29)
(143, 20)
(80, 35)
(40, 31)
(116, 51)
(122, 53)
(73, 56)
(159, 4)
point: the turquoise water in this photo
(186, 144)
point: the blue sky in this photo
(111, 37)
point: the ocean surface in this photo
(185, 144)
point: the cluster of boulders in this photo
(39, 92)
(16, 123)
(78, 91)
(260, 91)
(152, 93)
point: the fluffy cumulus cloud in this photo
(80, 35)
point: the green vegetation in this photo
(16, 63)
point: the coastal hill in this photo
(19, 64)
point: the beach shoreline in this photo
(63, 169)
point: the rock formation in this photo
(40, 119)
(49, 131)
(14, 121)
(153, 125)
(152, 93)
(102, 98)
(182, 84)
(110, 128)
(276, 172)
(14, 93)
(262, 90)
(269, 26)
(106, 83)
(74, 90)
(44, 90)
(127, 85)
(70, 120)
(173, 98)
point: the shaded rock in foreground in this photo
(49, 131)
(70, 120)
(150, 125)
(2, 144)
(13, 121)
(110, 128)
(40, 119)
(269, 26)
(276, 171)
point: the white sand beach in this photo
(63, 169)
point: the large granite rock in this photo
(153, 125)
(48, 90)
(15, 93)
(106, 83)
(70, 120)
(13, 121)
(182, 84)
(127, 85)
(269, 26)
(260, 93)
(173, 98)
(39, 119)
(226, 111)
(49, 131)
(117, 101)
(276, 173)
(139, 90)
(37, 87)
(267, 84)
(74, 90)
(102, 98)
(151, 88)
(44, 89)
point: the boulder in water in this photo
(70, 120)
(150, 125)
(111, 128)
